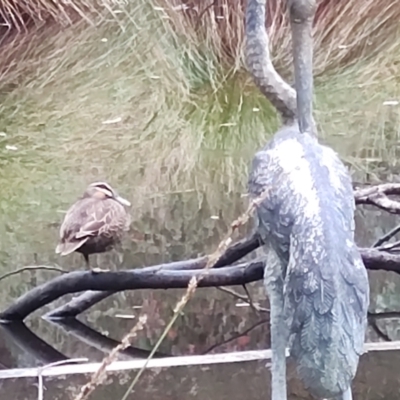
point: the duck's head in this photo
(102, 191)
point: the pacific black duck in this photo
(95, 223)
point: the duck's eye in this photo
(99, 194)
(104, 189)
(104, 192)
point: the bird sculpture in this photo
(314, 276)
(95, 223)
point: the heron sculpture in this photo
(314, 275)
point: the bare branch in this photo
(79, 281)
(32, 268)
(385, 238)
(247, 299)
(97, 340)
(380, 260)
(384, 315)
(378, 196)
(78, 305)
(379, 331)
(30, 343)
(389, 189)
(86, 300)
(236, 336)
(392, 247)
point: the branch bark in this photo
(157, 278)
(126, 280)
(88, 299)
(379, 196)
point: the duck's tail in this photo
(65, 248)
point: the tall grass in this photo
(345, 31)
(155, 95)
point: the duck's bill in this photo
(123, 201)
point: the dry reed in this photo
(19, 15)
(194, 282)
(100, 375)
(344, 30)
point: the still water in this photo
(176, 226)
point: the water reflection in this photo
(93, 338)
(174, 227)
(26, 347)
(25, 344)
(376, 379)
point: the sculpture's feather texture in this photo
(307, 219)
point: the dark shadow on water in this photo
(20, 339)
(95, 339)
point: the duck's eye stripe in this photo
(106, 192)
(105, 187)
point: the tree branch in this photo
(79, 281)
(159, 278)
(378, 196)
(236, 336)
(380, 260)
(385, 238)
(103, 343)
(32, 268)
(81, 303)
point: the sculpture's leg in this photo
(345, 395)
(278, 343)
(273, 281)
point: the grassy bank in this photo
(151, 100)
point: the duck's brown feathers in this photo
(92, 225)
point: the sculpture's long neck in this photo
(302, 14)
(258, 61)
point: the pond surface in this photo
(175, 227)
